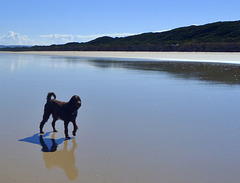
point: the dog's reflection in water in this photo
(62, 158)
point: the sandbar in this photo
(219, 57)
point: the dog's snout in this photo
(79, 104)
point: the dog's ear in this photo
(73, 99)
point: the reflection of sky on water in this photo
(211, 72)
(16, 62)
(139, 121)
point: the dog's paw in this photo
(55, 131)
(67, 138)
(41, 132)
(74, 133)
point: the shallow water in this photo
(139, 121)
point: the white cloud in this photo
(56, 38)
(13, 38)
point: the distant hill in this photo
(13, 46)
(213, 37)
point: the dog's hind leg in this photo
(44, 120)
(53, 125)
(66, 130)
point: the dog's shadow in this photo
(48, 144)
(62, 158)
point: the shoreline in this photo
(217, 57)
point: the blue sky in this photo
(60, 21)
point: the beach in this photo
(223, 57)
(145, 117)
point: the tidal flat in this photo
(141, 120)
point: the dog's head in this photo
(75, 101)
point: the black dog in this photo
(66, 111)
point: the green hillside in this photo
(219, 36)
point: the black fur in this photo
(66, 111)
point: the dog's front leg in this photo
(66, 130)
(41, 126)
(75, 127)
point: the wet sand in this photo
(139, 121)
(157, 56)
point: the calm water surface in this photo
(140, 122)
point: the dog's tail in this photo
(50, 94)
